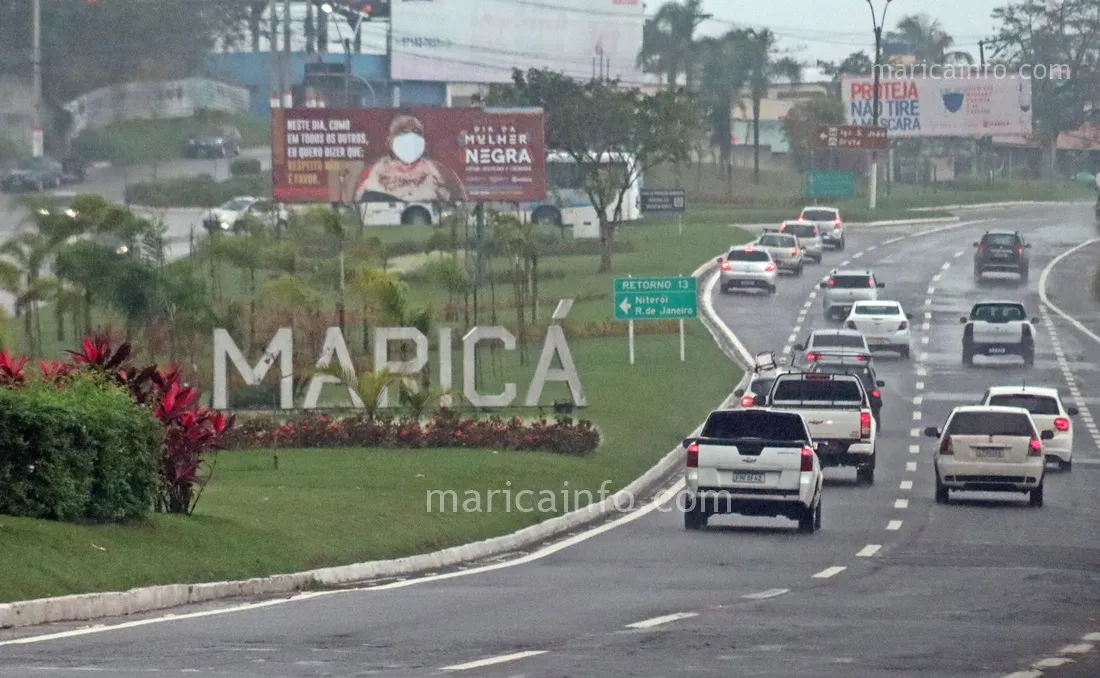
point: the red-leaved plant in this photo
(11, 369)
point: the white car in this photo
(809, 236)
(828, 220)
(1047, 411)
(231, 212)
(838, 342)
(998, 328)
(748, 268)
(753, 463)
(989, 448)
(884, 324)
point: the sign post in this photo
(665, 201)
(656, 299)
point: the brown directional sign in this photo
(851, 137)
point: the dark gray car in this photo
(214, 142)
(33, 174)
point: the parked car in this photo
(73, 169)
(214, 142)
(33, 174)
(228, 217)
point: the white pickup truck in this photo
(998, 328)
(838, 413)
(755, 463)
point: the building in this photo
(773, 109)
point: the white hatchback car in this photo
(884, 323)
(748, 268)
(988, 448)
(1047, 411)
(838, 342)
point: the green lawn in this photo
(331, 507)
(145, 141)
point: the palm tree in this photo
(928, 41)
(669, 47)
(724, 75)
(763, 68)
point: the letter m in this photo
(281, 346)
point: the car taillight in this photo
(946, 446)
(980, 248)
(807, 459)
(693, 455)
(832, 282)
(769, 268)
(1026, 331)
(1061, 423)
(1019, 250)
(876, 394)
(794, 252)
(747, 401)
(813, 356)
(725, 265)
(904, 325)
(815, 230)
(864, 424)
(852, 324)
(870, 282)
(836, 224)
(1036, 448)
(863, 357)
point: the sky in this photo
(831, 29)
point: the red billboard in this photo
(444, 155)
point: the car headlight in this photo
(224, 225)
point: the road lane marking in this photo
(906, 485)
(914, 433)
(1079, 648)
(919, 386)
(1051, 663)
(958, 254)
(1025, 674)
(792, 339)
(664, 619)
(936, 278)
(901, 503)
(922, 372)
(1091, 637)
(946, 265)
(925, 327)
(830, 572)
(923, 357)
(928, 302)
(764, 595)
(893, 525)
(857, 255)
(871, 248)
(491, 661)
(931, 291)
(869, 550)
(917, 400)
(916, 416)
(925, 339)
(928, 315)
(910, 466)
(914, 449)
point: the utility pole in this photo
(981, 53)
(288, 80)
(395, 89)
(347, 73)
(37, 137)
(878, 24)
(274, 58)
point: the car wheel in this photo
(968, 354)
(941, 491)
(840, 247)
(1036, 496)
(1023, 275)
(904, 353)
(865, 475)
(694, 519)
(817, 513)
(772, 289)
(807, 522)
(1029, 357)
(1065, 465)
(977, 275)
(798, 271)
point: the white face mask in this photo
(408, 147)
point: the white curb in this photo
(88, 606)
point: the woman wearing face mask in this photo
(404, 174)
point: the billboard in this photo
(967, 106)
(425, 155)
(480, 41)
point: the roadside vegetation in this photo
(147, 141)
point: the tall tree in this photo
(724, 76)
(801, 122)
(613, 135)
(856, 63)
(928, 41)
(669, 47)
(764, 67)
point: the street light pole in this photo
(347, 73)
(37, 137)
(878, 24)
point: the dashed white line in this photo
(946, 265)
(893, 525)
(1090, 637)
(919, 386)
(910, 466)
(1051, 663)
(493, 660)
(808, 304)
(901, 503)
(871, 248)
(664, 619)
(830, 572)
(925, 327)
(923, 358)
(928, 302)
(922, 372)
(930, 291)
(958, 254)
(1025, 674)
(916, 416)
(906, 485)
(792, 339)
(936, 278)
(1079, 648)
(857, 255)
(763, 595)
(914, 449)
(869, 550)
(917, 400)
(928, 315)
(914, 433)
(925, 339)
(845, 262)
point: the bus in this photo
(566, 203)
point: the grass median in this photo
(330, 507)
(146, 141)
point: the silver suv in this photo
(786, 251)
(844, 288)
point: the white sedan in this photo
(1047, 411)
(884, 323)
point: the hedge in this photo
(245, 166)
(86, 452)
(198, 191)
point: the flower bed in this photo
(444, 430)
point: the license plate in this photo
(748, 477)
(745, 283)
(875, 340)
(989, 453)
(996, 350)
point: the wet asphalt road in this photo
(984, 586)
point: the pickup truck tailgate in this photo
(832, 424)
(998, 333)
(750, 465)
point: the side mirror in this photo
(1047, 435)
(718, 260)
(975, 244)
(880, 383)
(1071, 411)
(1027, 246)
(799, 347)
(963, 320)
(823, 285)
(932, 432)
(880, 285)
(738, 393)
(760, 401)
(803, 249)
(687, 442)
(908, 316)
(1035, 320)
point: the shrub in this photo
(86, 451)
(446, 429)
(245, 166)
(198, 191)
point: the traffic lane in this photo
(1069, 286)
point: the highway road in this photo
(894, 584)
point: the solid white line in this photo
(910, 466)
(869, 550)
(763, 595)
(1046, 300)
(914, 449)
(493, 660)
(830, 572)
(893, 525)
(665, 619)
(906, 485)
(901, 503)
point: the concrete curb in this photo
(866, 224)
(82, 607)
(987, 205)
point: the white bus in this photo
(566, 203)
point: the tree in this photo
(612, 135)
(763, 68)
(928, 41)
(801, 122)
(1067, 34)
(669, 47)
(856, 63)
(724, 75)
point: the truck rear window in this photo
(810, 390)
(850, 282)
(754, 424)
(989, 424)
(998, 313)
(1032, 403)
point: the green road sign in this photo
(829, 184)
(656, 298)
